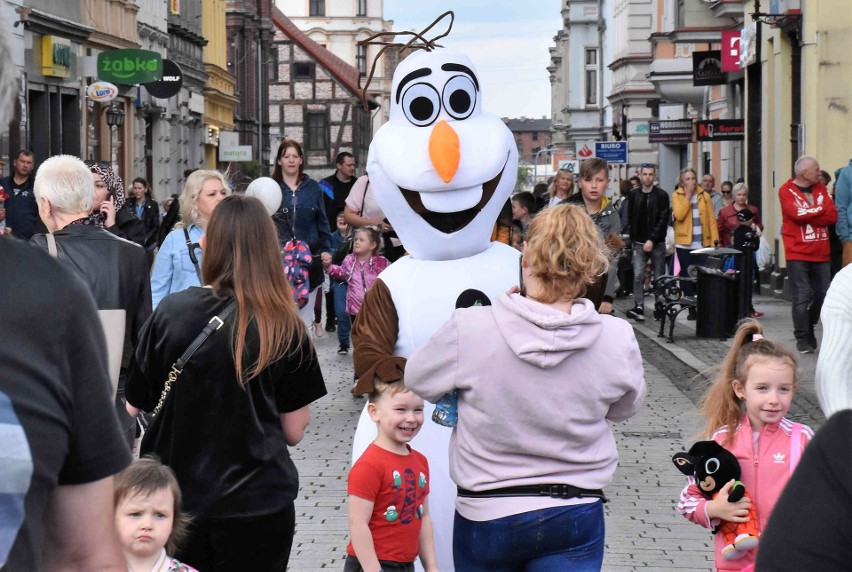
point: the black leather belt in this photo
(554, 491)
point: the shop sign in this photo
(674, 131)
(707, 68)
(128, 67)
(102, 91)
(721, 130)
(731, 40)
(170, 84)
(55, 56)
(237, 153)
(613, 152)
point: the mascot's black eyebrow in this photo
(422, 72)
(463, 69)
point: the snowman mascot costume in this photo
(441, 170)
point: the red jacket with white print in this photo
(805, 226)
(764, 474)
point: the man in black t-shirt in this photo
(60, 442)
(21, 210)
(336, 189)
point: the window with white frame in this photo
(591, 76)
(362, 8)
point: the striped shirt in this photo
(697, 232)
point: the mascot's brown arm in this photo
(374, 336)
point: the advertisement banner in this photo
(721, 130)
(731, 40)
(674, 131)
(130, 67)
(707, 68)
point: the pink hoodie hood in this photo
(542, 335)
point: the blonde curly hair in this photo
(565, 252)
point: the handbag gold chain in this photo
(167, 388)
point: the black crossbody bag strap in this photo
(214, 324)
(192, 257)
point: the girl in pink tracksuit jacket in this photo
(745, 408)
(360, 268)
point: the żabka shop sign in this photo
(129, 67)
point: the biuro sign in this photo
(128, 67)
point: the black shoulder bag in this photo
(154, 433)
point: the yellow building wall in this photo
(213, 27)
(826, 73)
(826, 100)
(219, 100)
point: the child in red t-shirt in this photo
(388, 512)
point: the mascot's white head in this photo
(441, 169)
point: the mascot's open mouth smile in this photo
(452, 221)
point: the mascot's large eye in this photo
(421, 104)
(459, 97)
(712, 465)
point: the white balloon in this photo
(268, 191)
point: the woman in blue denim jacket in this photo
(174, 269)
(302, 213)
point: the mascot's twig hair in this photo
(417, 42)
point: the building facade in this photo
(49, 113)
(152, 142)
(188, 133)
(315, 99)
(251, 60)
(579, 84)
(219, 99)
(532, 136)
(338, 25)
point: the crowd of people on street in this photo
(216, 370)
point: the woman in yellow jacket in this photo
(694, 222)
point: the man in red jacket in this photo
(807, 210)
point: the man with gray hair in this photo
(116, 270)
(61, 443)
(807, 210)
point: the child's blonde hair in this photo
(146, 476)
(720, 405)
(565, 251)
(381, 387)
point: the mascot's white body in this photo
(441, 170)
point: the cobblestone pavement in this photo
(643, 530)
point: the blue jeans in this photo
(808, 283)
(343, 323)
(548, 540)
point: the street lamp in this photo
(115, 115)
(115, 119)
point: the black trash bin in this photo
(717, 300)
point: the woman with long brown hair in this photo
(243, 396)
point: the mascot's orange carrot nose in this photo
(445, 150)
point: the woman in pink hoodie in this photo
(537, 383)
